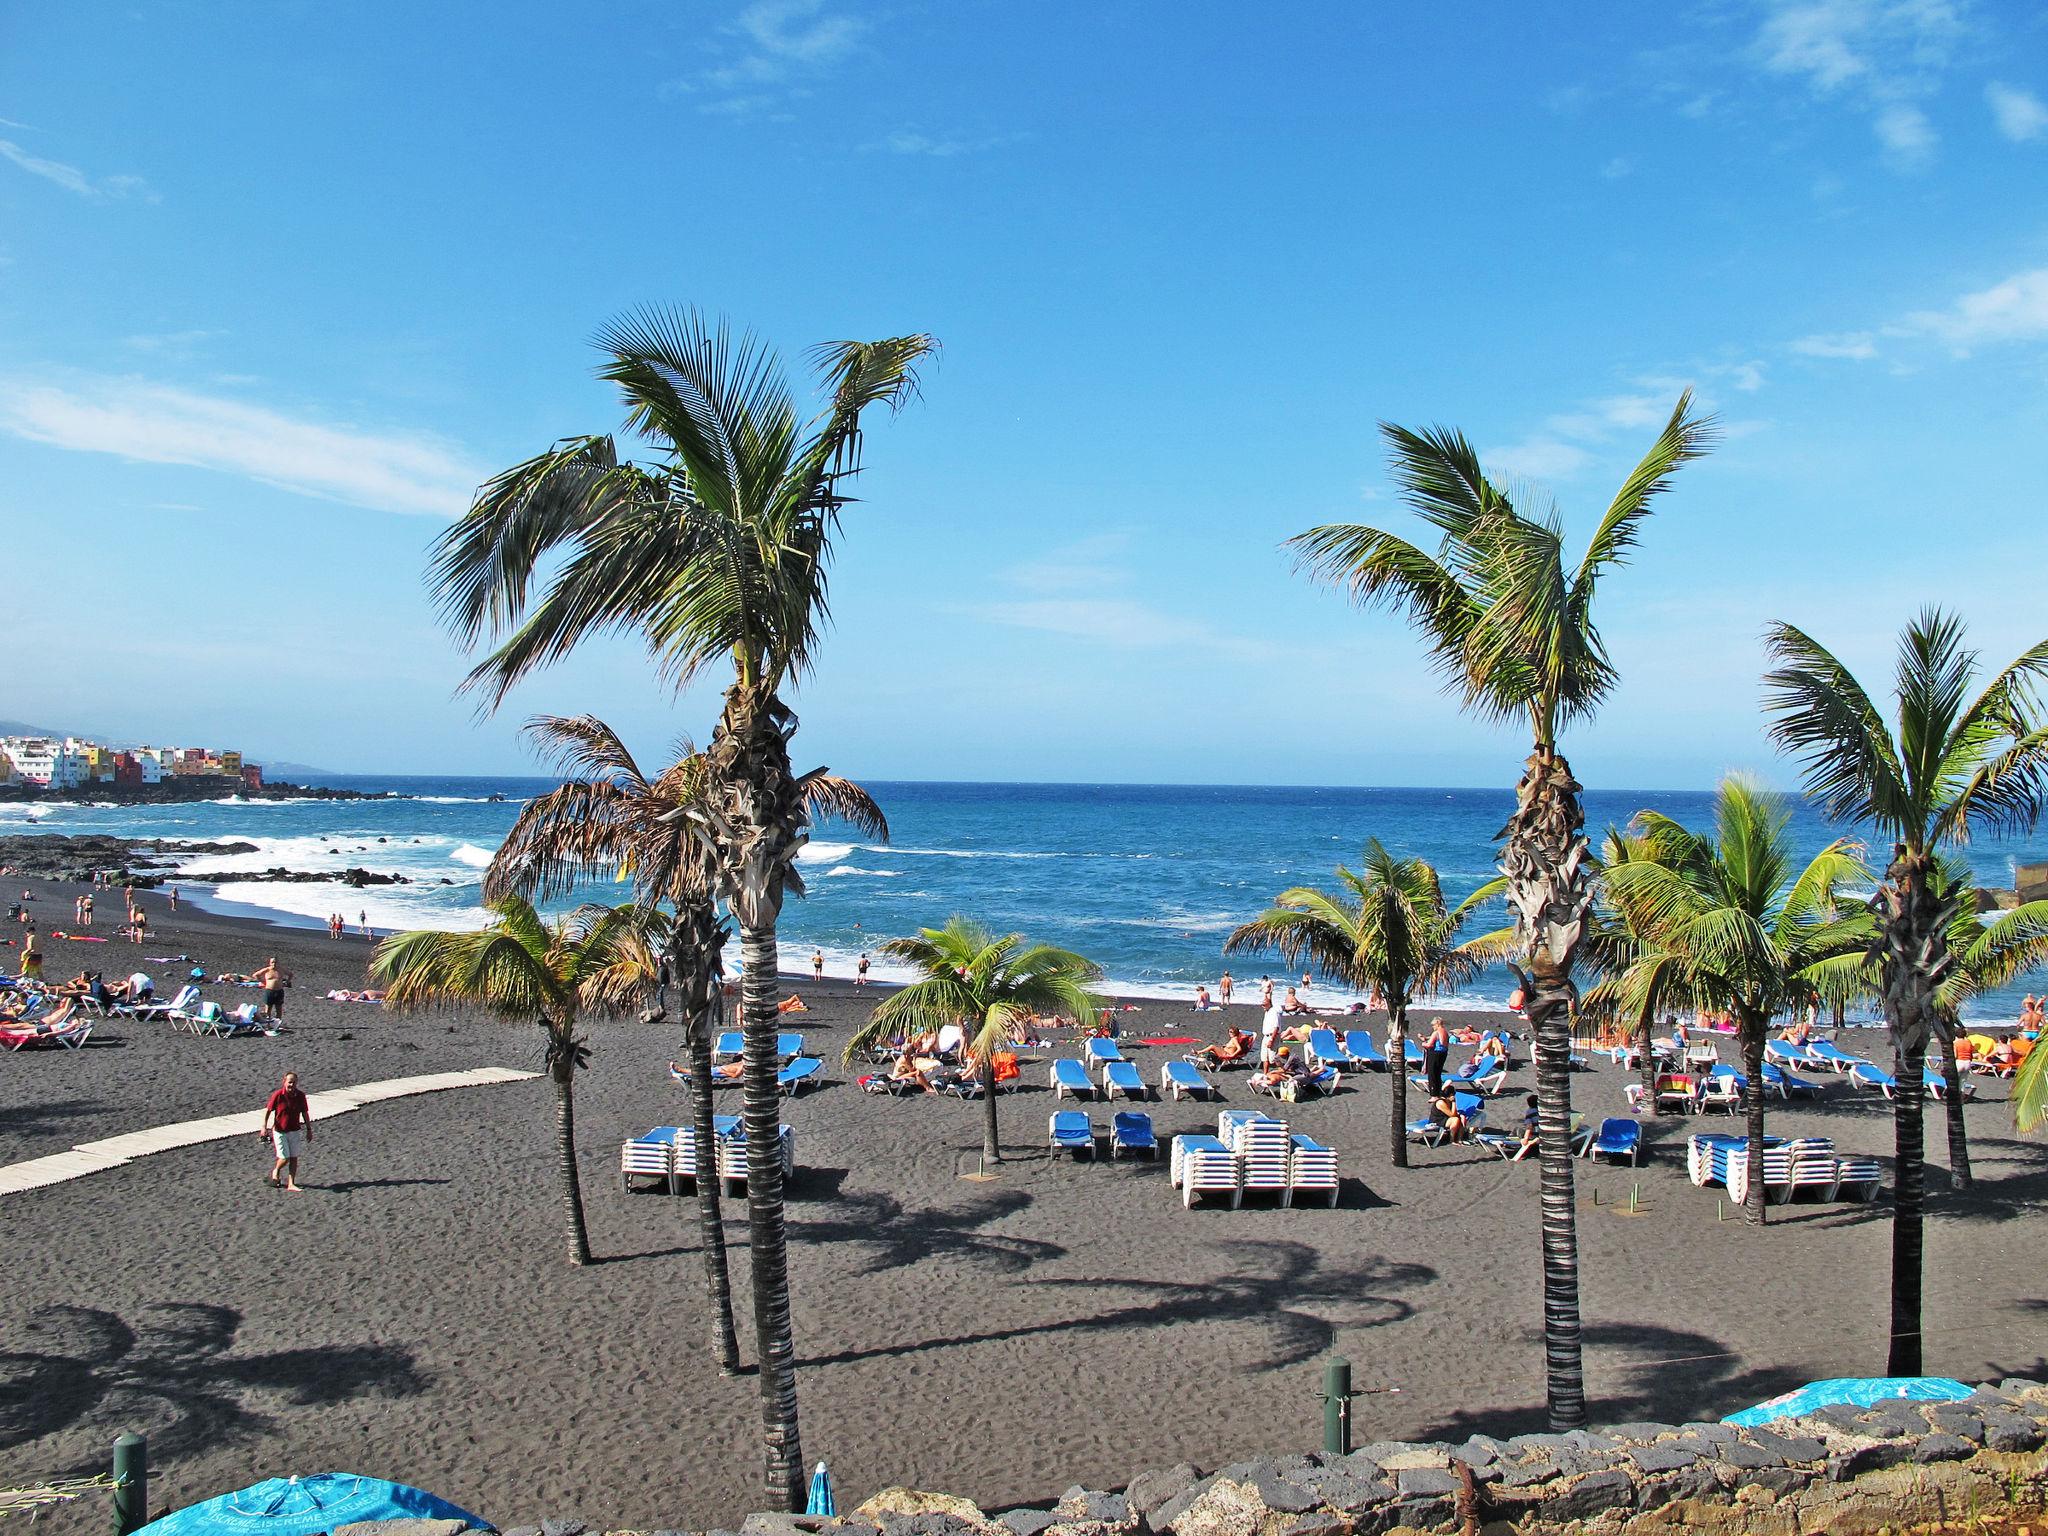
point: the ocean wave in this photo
(463, 800)
(388, 907)
(855, 869)
(823, 853)
(473, 856)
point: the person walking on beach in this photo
(817, 965)
(1269, 1034)
(860, 971)
(273, 982)
(174, 898)
(85, 910)
(288, 1124)
(1224, 987)
(1436, 1046)
(363, 917)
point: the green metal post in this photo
(131, 1484)
(1337, 1406)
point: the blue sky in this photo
(280, 284)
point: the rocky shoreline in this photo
(181, 791)
(150, 862)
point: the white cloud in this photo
(74, 180)
(2014, 310)
(1081, 591)
(1908, 137)
(1879, 57)
(939, 146)
(2020, 114)
(1536, 458)
(1618, 167)
(1859, 345)
(778, 45)
(161, 424)
(168, 341)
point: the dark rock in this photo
(1091, 1504)
(1282, 1495)
(1340, 1490)
(1717, 1434)
(1790, 1447)
(1519, 1475)
(1943, 1447)
(1539, 1444)
(1579, 1463)
(562, 1528)
(1782, 1481)
(1482, 1450)
(422, 1527)
(1642, 1431)
(2016, 1386)
(1662, 1458)
(1869, 1458)
(778, 1525)
(1591, 1440)
(2012, 1432)
(1359, 1465)
(1699, 1445)
(1149, 1490)
(1163, 1515)
(1026, 1522)
(1591, 1495)
(1893, 1419)
(1749, 1457)
(1417, 1514)
(1425, 1483)
(1297, 1461)
(1697, 1481)
(1316, 1525)
(1954, 1419)
(1842, 1416)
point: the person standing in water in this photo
(860, 971)
(1265, 991)
(1224, 988)
(817, 965)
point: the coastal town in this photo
(71, 762)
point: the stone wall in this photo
(1844, 1471)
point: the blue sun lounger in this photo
(1131, 1130)
(1069, 1130)
(1617, 1137)
(1786, 1086)
(1786, 1054)
(1121, 1077)
(1828, 1054)
(1937, 1086)
(1180, 1078)
(1069, 1076)
(1864, 1075)
(1364, 1050)
(793, 1078)
(1101, 1050)
(1324, 1051)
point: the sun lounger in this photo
(1121, 1077)
(71, 1035)
(1363, 1049)
(1430, 1134)
(1832, 1056)
(732, 1156)
(1069, 1076)
(1677, 1091)
(1131, 1131)
(1179, 1079)
(1937, 1086)
(727, 1046)
(652, 1156)
(1069, 1130)
(1203, 1165)
(1777, 1080)
(1864, 1075)
(1805, 1163)
(1721, 1090)
(1262, 1146)
(798, 1075)
(1785, 1054)
(187, 997)
(1858, 1178)
(1617, 1137)
(1311, 1166)
(1323, 1050)
(1102, 1050)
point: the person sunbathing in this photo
(792, 1004)
(1279, 1072)
(1203, 1002)
(907, 1070)
(1799, 1034)
(1492, 1046)
(1294, 1004)
(1232, 1049)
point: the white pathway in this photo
(93, 1156)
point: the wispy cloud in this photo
(168, 341)
(1878, 57)
(74, 180)
(162, 424)
(771, 53)
(1617, 168)
(2014, 310)
(1857, 345)
(939, 146)
(1571, 441)
(2019, 113)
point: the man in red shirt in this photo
(288, 1122)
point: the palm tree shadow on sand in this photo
(173, 1374)
(1299, 1299)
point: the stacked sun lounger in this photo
(1707, 1156)
(1262, 1145)
(1311, 1166)
(732, 1156)
(1804, 1163)
(1203, 1165)
(652, 1156)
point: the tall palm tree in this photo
(1725, 920)
(1386, 928)
(1986, 955)
(988, 985)
(596, 960)
(612, 821)
(1511, 629)
(1948, 765)
(714, 551)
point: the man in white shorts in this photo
(288, 1122)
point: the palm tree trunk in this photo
(563, 1069)
(1914, 956)
(1753, 1032)
(1397, 1071)
(991, 1142)
(1952, 1103)
(694, 963)
(1550, 892)
(1646, 1065)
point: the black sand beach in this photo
(412, 1316)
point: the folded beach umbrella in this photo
(1854, 1391)
(822, 1502)
(1983, 1045)
(307, 1506)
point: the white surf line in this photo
(95, 1156)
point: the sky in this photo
(281, 284)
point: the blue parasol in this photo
(822, 1502)
(1853, 1391)
(307, 1506)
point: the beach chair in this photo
(1429, 1134)
(186, 997)
(1101, 1051)
(652, 1156)
(732, 1156)
(70, 1035)
(1131, 1131)
(1121, 1077)
(1261, 1146)
(1722, 1090)
(1777, 1080)
(1069, 1076)
(1785, 1054)
(1178, 1079)
(1676, 1091)
(1858, 1178)
(1311, 1166)
(1937, 1086)
(1827, 1054)
(199, 1019)
(799, 1075)
(1877, 1080)
(1323, 1050)
(1203, 1165)
(1617, 1138)
(1069, 1130)
(727, 1045)
(1360, 1046)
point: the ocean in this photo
(1146, 880)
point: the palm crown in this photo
(985, 982)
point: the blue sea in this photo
(1146, 880)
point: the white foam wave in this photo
(823, 853)
(388, 907)
(463, 800)
(473, 856)
(855, 869)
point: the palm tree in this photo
(1612, 950)
(1985, 955)
(1512, 631)
(1388, 929)
(1947, 766)
(1723, 920)
(987, 984)
(2030, 1089)
(596, 960)
(715, 551)
(612, 821)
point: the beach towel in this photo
(1168, 1040)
